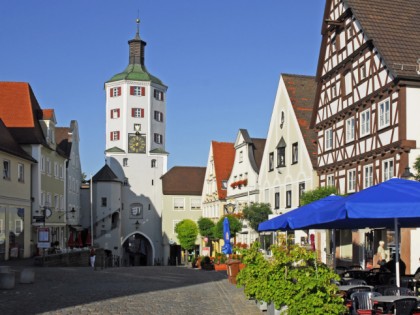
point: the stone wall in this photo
(71, 259)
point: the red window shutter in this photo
(110, 92)
(119, 91)
(110, 114)
(131, 90)
(118, 135)
(133, 112)
(143, 91)
(142, 112)
(118, 113)
(110, 136)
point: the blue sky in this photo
(220, 59)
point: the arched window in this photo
(153, 163)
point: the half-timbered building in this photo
(367, 99)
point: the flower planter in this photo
(220, 267)
(241, 266)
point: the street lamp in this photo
(407, 174)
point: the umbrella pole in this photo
(334, 261)
(397, 253)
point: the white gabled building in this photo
(288, 164)
(135, 152)
(242, 186)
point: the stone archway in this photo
(138, 250)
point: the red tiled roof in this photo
(9, 145)
(20, 112)
(223, 157)
(184, 180)
(301, 90)
(15, 104)
(48, 114)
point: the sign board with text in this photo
(44, 237)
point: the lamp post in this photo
(407, 174)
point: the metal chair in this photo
(398, 291)
(362, 302)
(381, 288)
(405, 306)
(355, 267)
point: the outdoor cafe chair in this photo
(398, 291)
(405, 306)
(349, 292)
(362, 302)
(355, 267)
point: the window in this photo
(351, 180)
(288, 196)
(328, 139)
(61, 171)
(330, 180)
(384, 114)
(103, 201)
(137, 112)
(43, 164)
(115, 113)
(348, 83)
(55, 169)
(48, 166)
(196, 204)
(277, 200)
(153, 163)
(350, 129)
(388, 169)
(21, 173)
(368, 176)
(158, 95)
(137, 91)
(241, 156)
(179, 203)
(271, 161)
(301, 190)
(115, 135)
(295, 153)
(158, 138)
(18, 226)
(116, 91)
(333, 91)
(281, 153)
(125, 161)
(6, 169)
(56, 204)
(61, 202)
(158, 116)
(365, 123)
(362, 72)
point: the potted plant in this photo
(220, 262)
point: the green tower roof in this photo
(136, 72)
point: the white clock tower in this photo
(135, 152)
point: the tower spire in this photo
(138, 28)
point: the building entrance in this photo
(137, 251)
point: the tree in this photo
(257, 213)
(416, 167)
(206, 228)
(187, 232)
(316, 194)
(234, 224)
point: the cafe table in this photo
(346, 287)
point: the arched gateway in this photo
(138, 250)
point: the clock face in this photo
(136, 143)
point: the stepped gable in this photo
(184, 180)
(63, 140)
(301, 90)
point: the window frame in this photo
(351, 180)
(295, 153)
(289, 198)
(328, 139)
(365, 123)
(350, 127)
(384, 114)
(386, 175)
(277, 200)
(7, 164)
(158, 138)
(174, 202)
(271, 161)
(21, 173)
(367, 178)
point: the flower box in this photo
(220, 267)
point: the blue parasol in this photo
(226, 249)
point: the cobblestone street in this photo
(130, 290)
